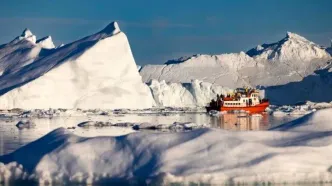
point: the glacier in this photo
(295, 152)
(98, 71)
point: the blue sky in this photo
(159, 30)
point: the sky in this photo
(160, 30)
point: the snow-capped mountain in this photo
(288, 60)
(97, 71)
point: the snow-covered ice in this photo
(226, 70)
(97, 71)
(315, 121)
(291, 70)
(315, 87)
(176, 126)
(25, 124)
(46, 42)
(293, 48)
(288, 60)
(193, 94)
(301, 109)
(296, 154)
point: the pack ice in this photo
(97, 71)
(288, 60)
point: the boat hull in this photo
(252, 109)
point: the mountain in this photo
(98, 71)
(288, 60)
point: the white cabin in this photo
(244, 101)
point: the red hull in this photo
(252, 109)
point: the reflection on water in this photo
(244, 121)
(11, 138)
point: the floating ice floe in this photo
(94, 124)
(303, 109)
(25, 125)
(279, 113)
(176, 126)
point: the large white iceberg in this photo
(288, 60)
(225, 70)
(296, 154)
(316, 87)
(97, 71)
(193, 94)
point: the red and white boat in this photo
(243, 99)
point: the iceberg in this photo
(193, 94)
(98, 71)
(288, 60)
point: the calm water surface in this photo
(12, 138)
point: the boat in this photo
(242, 99)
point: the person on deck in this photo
(213, 103)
